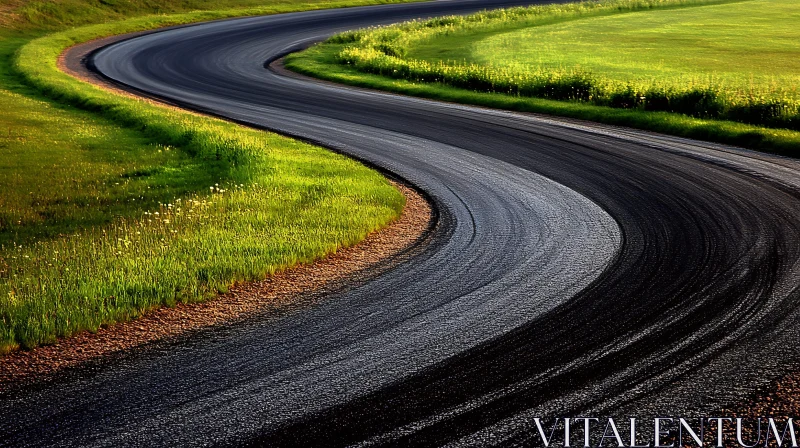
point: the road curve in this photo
(576, 269)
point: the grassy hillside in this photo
(112, 206)
(50, 15)
(686, 67)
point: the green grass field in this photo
(111, 206)
(717, 70)
(745, 47)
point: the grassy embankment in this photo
(724, 71)
(111, 206)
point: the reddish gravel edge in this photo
(302, 285)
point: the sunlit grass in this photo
(437, 51)
(747, 49)
(62, 171)
(746, 46)
(306, 203)
(477, 54)
(112, 206)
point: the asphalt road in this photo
(577, 269)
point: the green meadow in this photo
(718, 70)
(110, 206)
(747, 48)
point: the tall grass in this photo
(240, 204)
(187, 250)
(385, 51)
(61, 171)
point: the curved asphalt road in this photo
(576, 269)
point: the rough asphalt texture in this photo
(577, 269)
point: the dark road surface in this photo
(576, 269)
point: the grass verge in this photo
(101, 223)
(386, 58)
